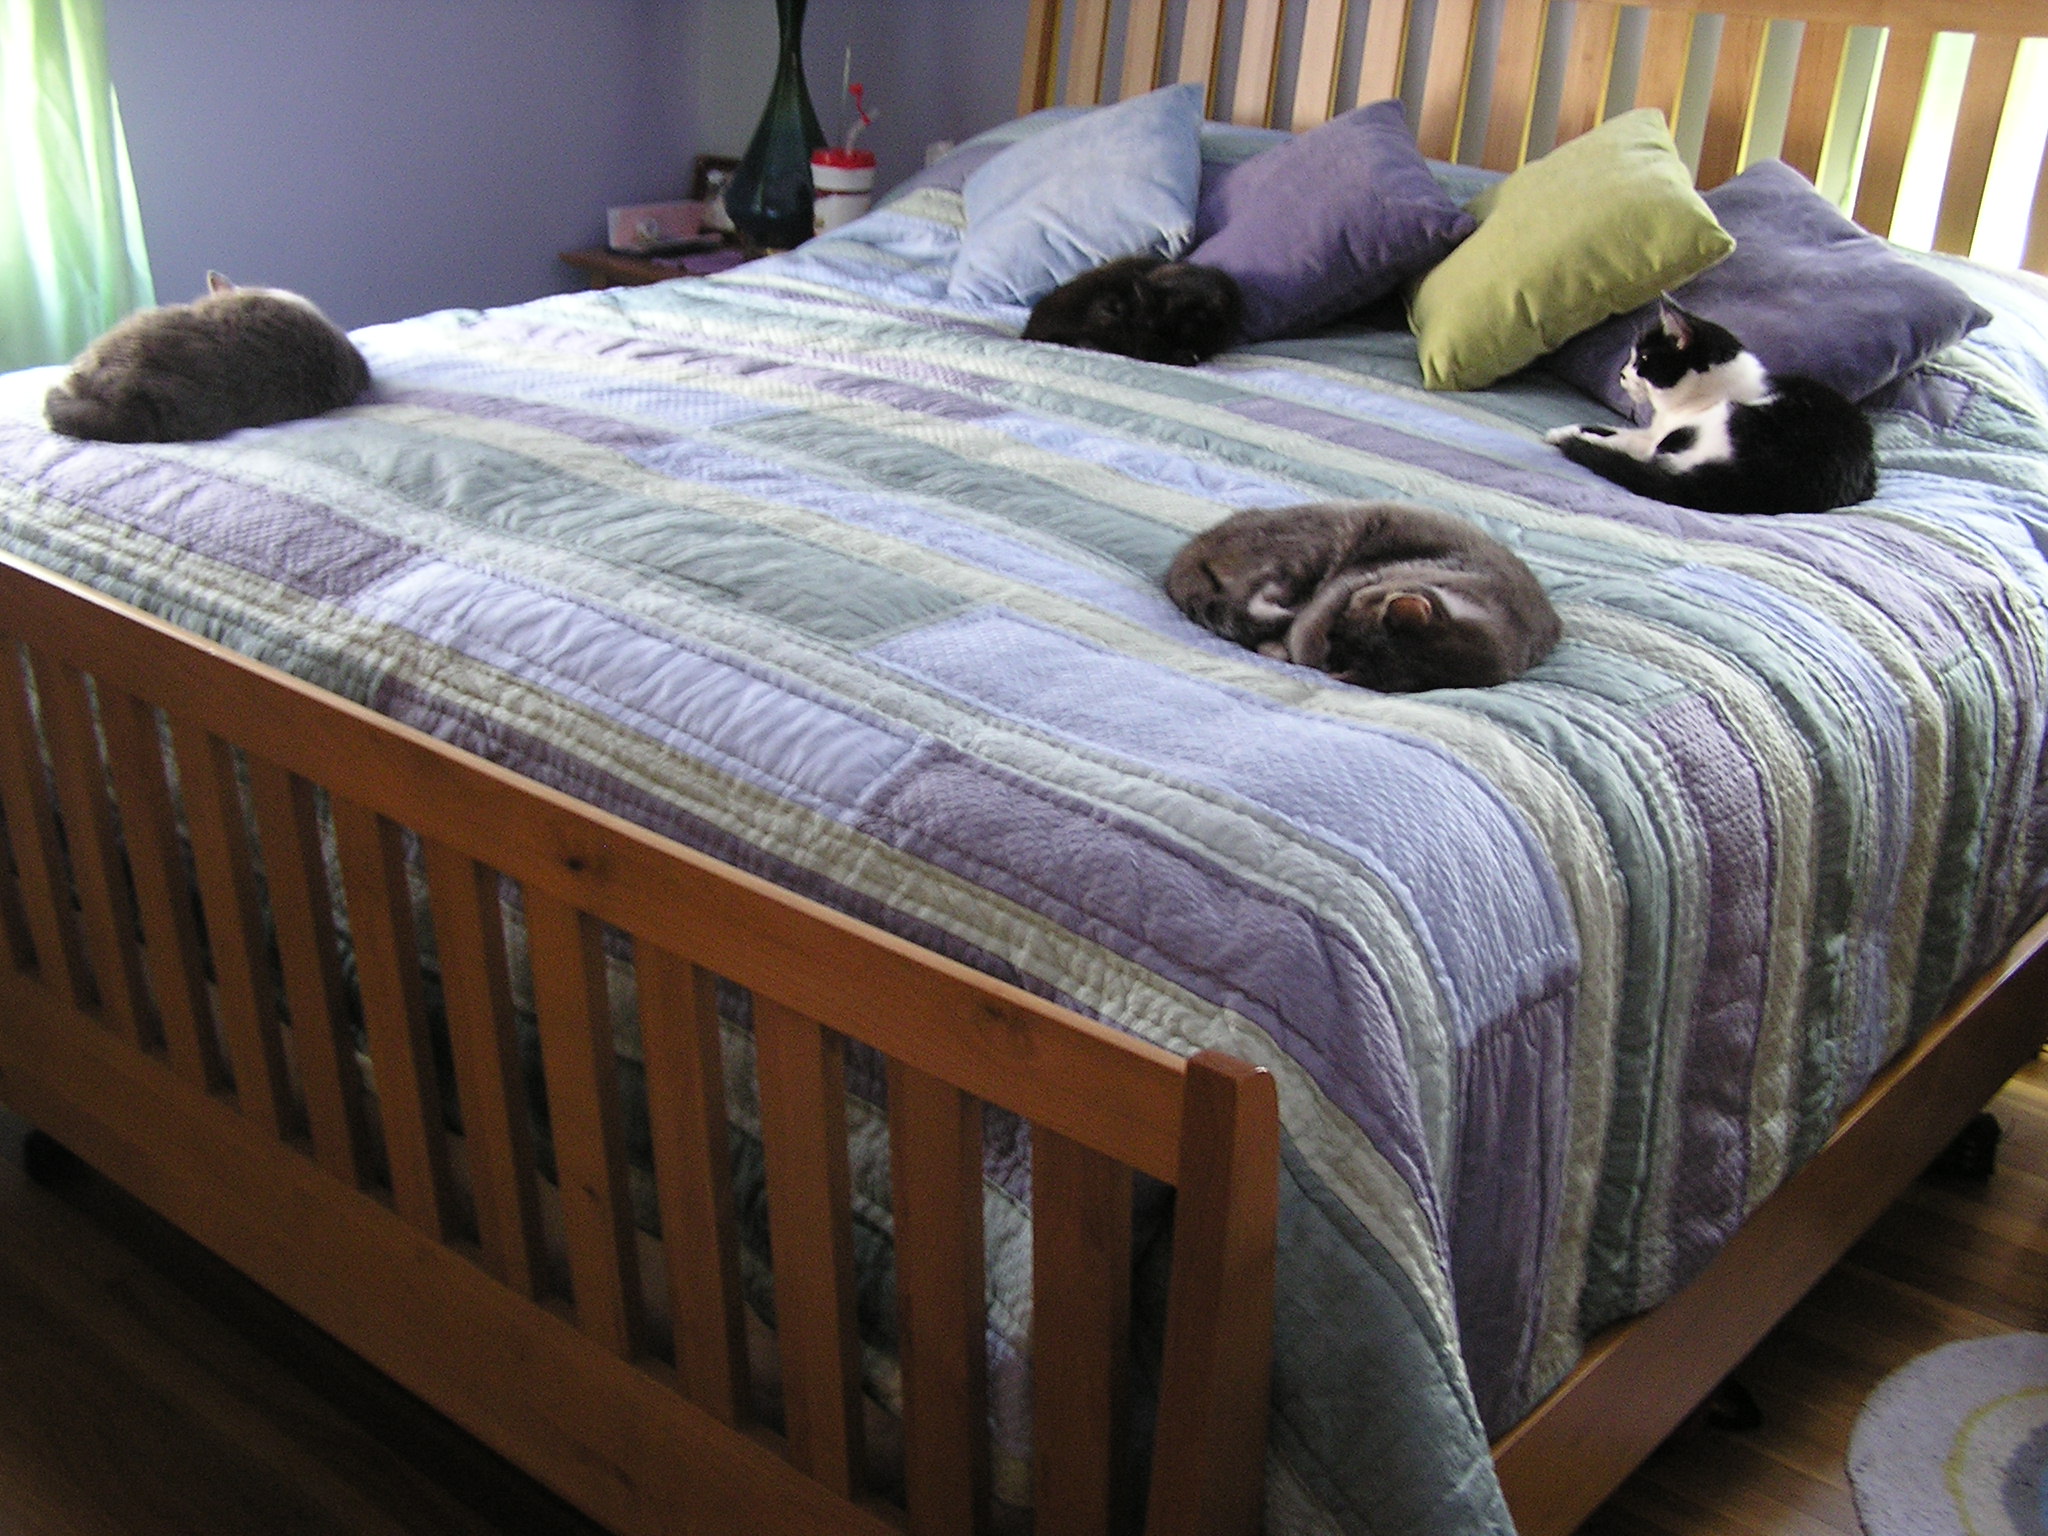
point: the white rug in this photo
(1955, 1442)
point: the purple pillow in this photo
(1326, 222)
(1805, 290)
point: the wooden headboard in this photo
(1858, 94)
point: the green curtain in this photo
(71, 255)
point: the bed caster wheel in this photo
(1973, 1155)
(47, 1161)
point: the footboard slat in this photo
(469, 936)
(234, 926)
(810, 1238)
(1080, 1336)
(323, 1039)
(680, 1043)
(580, 1060)
(380, 921)
(106, 912)
(935, 1159)
(32, 828)
(1206, 1476)
(149, 827)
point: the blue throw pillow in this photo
(1121, 181)
(1318, 227)
(1805, 290)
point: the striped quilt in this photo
(810, 569)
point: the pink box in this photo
(643, 227)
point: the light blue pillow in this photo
(1120, 181)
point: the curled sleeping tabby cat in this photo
(235, 357)
(1383, 594)
(1725, 434)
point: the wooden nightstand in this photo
(613, 269)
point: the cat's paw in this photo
(1566, 434)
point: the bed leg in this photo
(1973, 1155)
(47, 1161)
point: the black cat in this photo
(1725, 434)
(1379, 593)
(1146, 307)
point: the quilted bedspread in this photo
(805, 567)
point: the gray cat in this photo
(1382, 594)
(236, 357)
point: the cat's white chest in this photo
(1705, 402)
(1710, 442)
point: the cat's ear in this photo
(215, 283)
(1677, 324)
(1408, 613)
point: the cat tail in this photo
(1624, 469)
(90, 416)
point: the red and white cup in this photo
(842, 186)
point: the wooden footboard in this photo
(186, 1026)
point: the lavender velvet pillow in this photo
(1805, 290)
(1327, 222)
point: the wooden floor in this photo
(144, 1392)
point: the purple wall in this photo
(387, 157)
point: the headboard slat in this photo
(1386, 40)
(1516, 62)
(1086, 54)
(1969, 162)
(1665, 50)
(1200, 40)
(1258, 58)
(1443, 91)
(1728, 111)
(1902, 78)
(1815, 87)
(1590, 68)
(1322, 49)
(1041, 56)
(2036, 258)
(1144, 36)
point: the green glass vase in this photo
(769, 196)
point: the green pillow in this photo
(1601, 224)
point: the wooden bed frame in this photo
(161, 1054)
